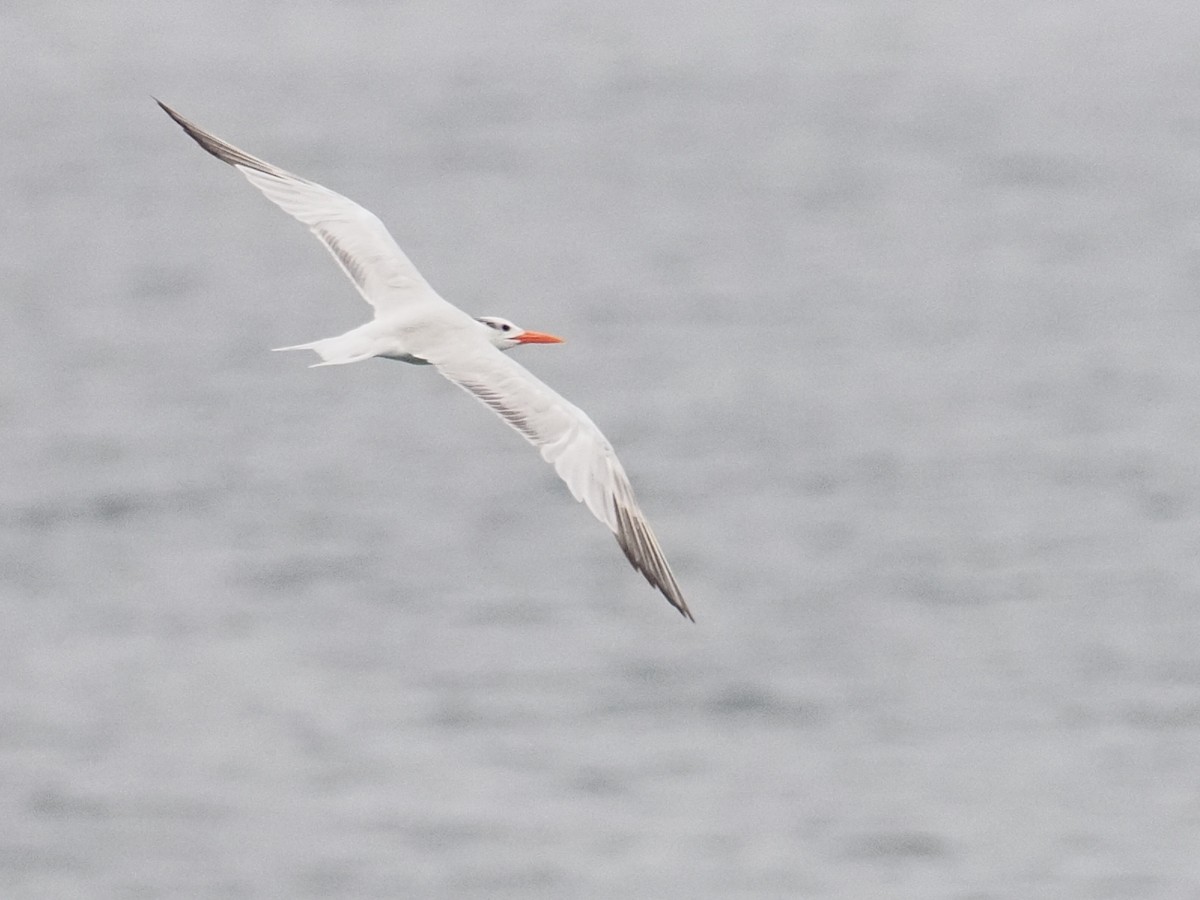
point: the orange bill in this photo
(537, 337)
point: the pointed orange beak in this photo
(537, 337)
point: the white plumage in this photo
(413, 324)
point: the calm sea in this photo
(892, 310)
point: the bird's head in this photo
(505, 334)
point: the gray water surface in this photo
(891, 311)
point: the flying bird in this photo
(415, 325)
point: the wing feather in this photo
(570, 441)
(355, 237)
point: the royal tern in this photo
(415, 325)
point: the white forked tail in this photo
(337, 351)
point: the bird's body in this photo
(413, 324)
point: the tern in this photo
(413, 324)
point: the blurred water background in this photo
(891, 310)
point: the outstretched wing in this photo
(562, 432)
(359, 242)
(571, 442)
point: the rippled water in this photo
(891, 310)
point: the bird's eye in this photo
(506, 328)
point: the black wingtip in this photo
(179, 120)
(223, 150)
(683, 608)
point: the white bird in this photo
(415, 325)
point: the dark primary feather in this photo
(355, 237)
(556, 427)
(221, 150)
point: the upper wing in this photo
(572, 443)
(355, 236)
